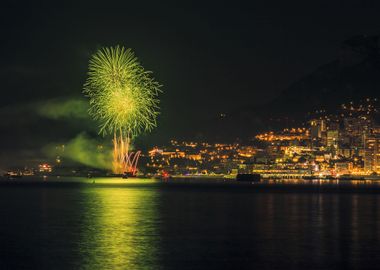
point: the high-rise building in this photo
(372, 153)
(332, 138)
(317, 127)
(355, 129)
(333, 125)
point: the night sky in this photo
(211, 57)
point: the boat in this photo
(310, 177)
(12, 176)
(350, 177)
(127, 175)
(248, 177)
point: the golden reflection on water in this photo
(330, 182)
(119, 229)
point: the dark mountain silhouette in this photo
(352, 76)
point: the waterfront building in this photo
(343, 167)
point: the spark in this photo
(123, 95)
(123, 98)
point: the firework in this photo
(123, 98)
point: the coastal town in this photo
(344, 145)
(341, 145)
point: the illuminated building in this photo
(346, 152)
(372, 154)
(355, 129)
(332, 138)
(375, 130)
(343, 167)
(317, 127)
(46, 168)
(194, 156)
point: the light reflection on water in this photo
(330, 182)
(146, 224)
(119, 227)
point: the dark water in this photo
(143, 224)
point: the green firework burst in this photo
(123, 96)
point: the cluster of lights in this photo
(198, 153)
(287, 135)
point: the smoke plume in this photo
(83, 150)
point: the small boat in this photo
(12, 176)
(248, 177)
(127, 175)
(310, 177)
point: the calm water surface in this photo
(146, 224)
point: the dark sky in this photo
(211, 57)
